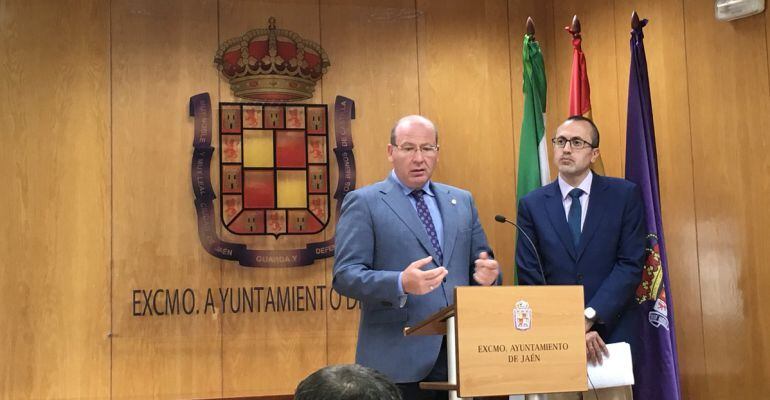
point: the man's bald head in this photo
(406, 122)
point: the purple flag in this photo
(656, 367)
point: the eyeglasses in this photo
(426, 149)
(575, 143)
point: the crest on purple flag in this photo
(656, 366)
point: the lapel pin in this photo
(454, 201)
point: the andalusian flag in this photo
(533, 155)
(579, 88)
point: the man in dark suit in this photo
(403, 244)
(588, 230)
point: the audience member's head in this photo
(346, 382)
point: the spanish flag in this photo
(579, 88)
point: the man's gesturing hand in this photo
(416, 281)
(485, 270)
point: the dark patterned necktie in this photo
(575, 214)
(427, 222)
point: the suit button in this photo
(579, 278)
(387, 304)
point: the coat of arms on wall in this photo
(274, 155)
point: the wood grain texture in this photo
(727, 76)
(159, 51)
(55, 213)
(464, 73)
(495, 358)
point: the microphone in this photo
(501, 219)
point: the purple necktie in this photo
(427, 222)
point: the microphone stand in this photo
(501, 219)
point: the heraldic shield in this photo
(273, 154)
(274, 168)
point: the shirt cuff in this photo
(401, 294)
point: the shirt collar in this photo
(585, 186)
(406, 190)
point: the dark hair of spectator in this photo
(347, 382)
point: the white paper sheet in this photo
(616, 370)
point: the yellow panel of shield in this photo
(258, 148)
(292, 189)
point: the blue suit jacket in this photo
(378, 235)
(608, 259)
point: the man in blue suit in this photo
(588, 230)
(403, 244)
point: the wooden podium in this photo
(505, 340)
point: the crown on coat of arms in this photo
(272, 64)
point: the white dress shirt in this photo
(566, 200)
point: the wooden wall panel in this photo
(759, 272)
(463, 55)
(161, 55)
(54, 218)
(727, 79)
(269, 352)
(373, 51)
(598, 30)
(100, 153)
(666, 60)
